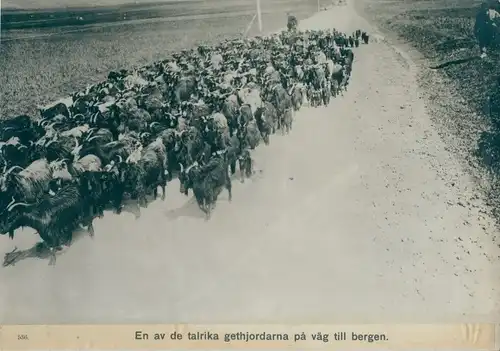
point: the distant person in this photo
(351, 41)
(365, 37)
(292, 23)
(487, 26)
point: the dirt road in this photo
(359, 215)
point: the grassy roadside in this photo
(457, 95)
(441, 30)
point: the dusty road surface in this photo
(359, 215)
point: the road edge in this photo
(458, 125)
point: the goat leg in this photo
(118, 208)
(266, 138)
(229, 190)
(207, 211)
(242, 170)
(138, 213)
(90, 229)
(163, 191)
(141, 197)
(249, 167)
(100, 211)
(202, 207)
(52, 256)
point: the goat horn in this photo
(11, 203)
(51, 125)
(195, 164)
(120, 158)
(182, 167)
(12, 168)
(94, 137)
(91, 130)
(17, 204)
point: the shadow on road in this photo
(189, 209)
(39, 250)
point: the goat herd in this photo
(196, 115)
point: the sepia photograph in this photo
(249, 161)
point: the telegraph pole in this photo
(259, 16)
(318, 7)
(250, 25)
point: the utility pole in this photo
(318, 7)
(249, 25)
(259, 16)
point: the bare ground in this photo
(361, 214)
